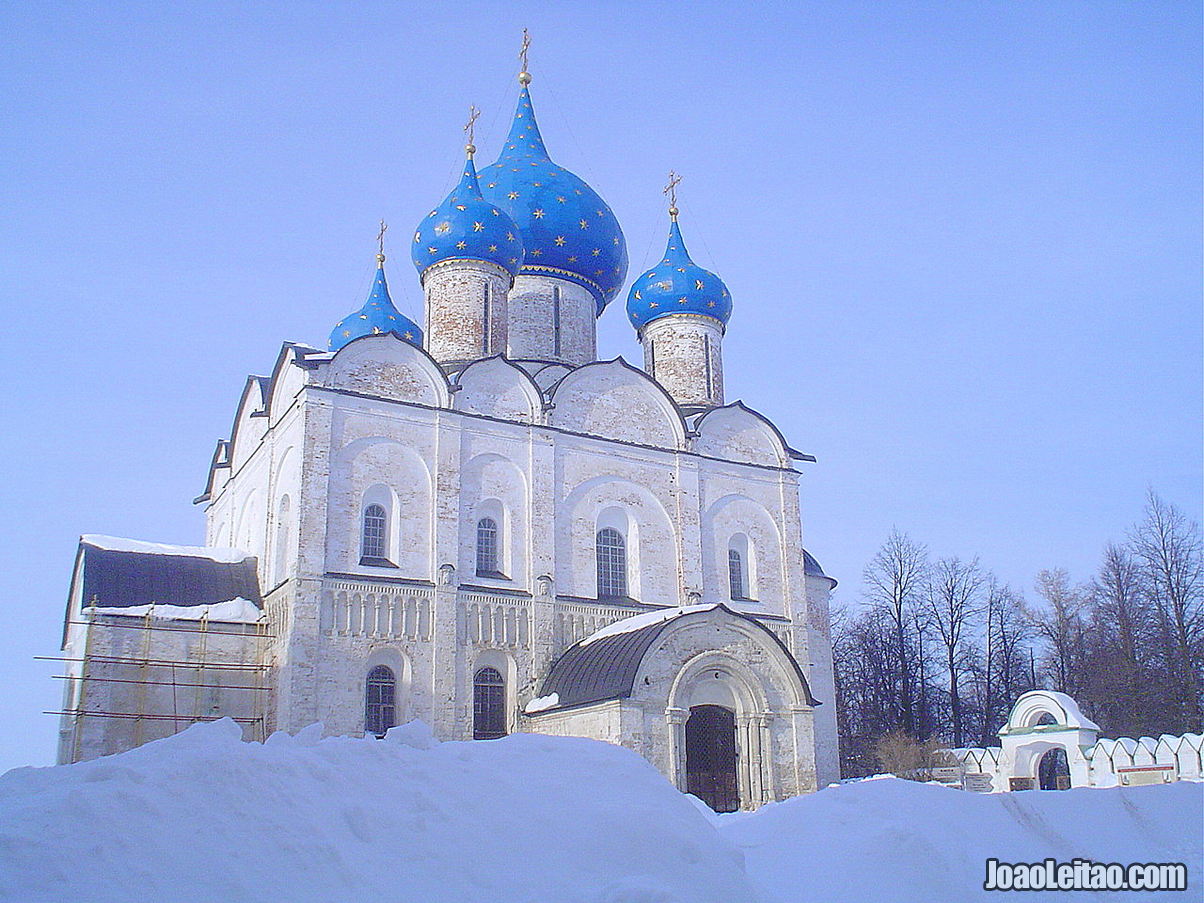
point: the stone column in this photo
(466, 310)
(744, 761)
(684, 353)
(676, 719)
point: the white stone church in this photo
(481, 525)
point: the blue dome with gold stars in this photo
(467, 227)
(377, 316)
(677, 285)
(568, 230)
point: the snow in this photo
(1074, 716)
(542, 703)
(627, 625)
(118, 544)
(202, 816)
(890, 840)
(236, 610)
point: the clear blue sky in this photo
(963, 240)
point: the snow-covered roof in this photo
(233, 611)
(128, 573)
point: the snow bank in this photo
(639, 622)
(893, 840)
(202, 816)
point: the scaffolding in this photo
(182, 673)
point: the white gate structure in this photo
(1045, 725)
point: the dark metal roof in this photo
(118, 579)
(811, 566)
(606, 668)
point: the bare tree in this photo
(894, 582)
(1060, 625)
(954, 598)
(1168, 546)
(1004, 656)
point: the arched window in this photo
(375, 536)
(735, 574)
(612, 564)
(488, 705)
(380, 709)
(487, 548)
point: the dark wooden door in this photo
(711, 757)
(1053, 771)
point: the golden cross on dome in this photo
(380, 242)
(671, 191)
(470, 128)
(524, 77)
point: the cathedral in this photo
(477, 523)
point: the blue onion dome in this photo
(568, 230)
(467, 227)
(376, 317)
(677, 285)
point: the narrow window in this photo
(380, 710)
(556, 319)
(485, 343)
(652, 358)
(376, 526)
(488, 705)
(612, 564)
(735, 574)
(706, 350)
(487, 548)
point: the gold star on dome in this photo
(512, 195)
(509, 236)
(681, 269)
(654, 304)
(596, 251)
(461, 245)
(681, 300)
(417, 236)
(461, 207)
(559, 199)
(537, 213)
(598, 272)
(407, 334)
(664, 286)
(698, 284)
(514, 260)
(494, 211)
(637, 294)
(376, 330)
(491, 185)
(710, 304)
(434, 213)
(559, 239)
(536, 253)
(477, 227)
(537, 184)
(493, 247)
(432, 250)
(573, 259)
(601, 213)
(363, 316)
(615, 240)
(583, 223)
(346, 332)
(576, 191)
(442, 228)
(665, 261)
(391, 317)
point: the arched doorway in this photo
(711, 757)
(1053, 770)
(488, 705)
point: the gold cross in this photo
(380, 241)
(470, 127)
(671, 191)
(522, 54)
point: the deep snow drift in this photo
(203, 816)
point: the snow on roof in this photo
(119, 544)
(639, 622)
(236, 611)
(542, 703)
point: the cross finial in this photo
(524, 77)
(380, 242)
(671, 191)
(470, 128)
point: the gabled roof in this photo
(120, 573)
(603, 666)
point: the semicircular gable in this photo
(738, 433)
(250, 421)
(614, 400)
(388, 367)
(738, 515)
(497, 388)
